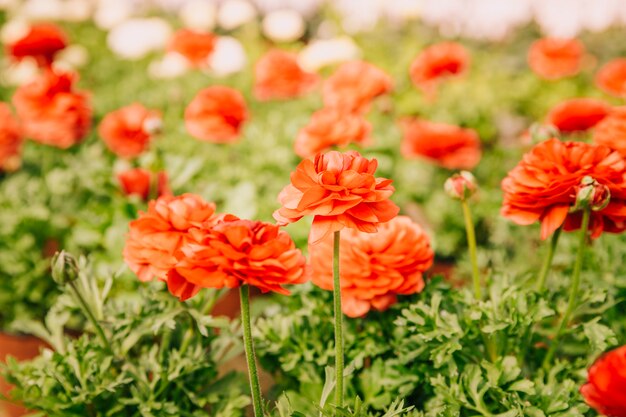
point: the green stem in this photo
(471, 243)
(90, 316)
(573, 295)
(339, 364)
(547, 262)
(255, 387)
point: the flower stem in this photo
(471, 243)
(90, 316)
(547, 262)
(339, 365)
(255, 387)
(573, 295)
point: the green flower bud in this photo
(461, 186)
(64, 268)
(591, 194)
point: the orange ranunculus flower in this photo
(374, 267)
(235, 252)
(331, 127)
(41, 42)
(216, 115)
(277, 75)
(438, 62)
(448, 146)
(552, 58)
(604, 390)
(354, 85)
(10, 140)
(127, 131)
(543, 187)
(196, 47)
(611, 131)
(51, 111)
(611, 78)
(578, 114)
(339, 190)
(156, 235)
(138, 181)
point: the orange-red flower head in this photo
(578, 114)
(140, 181)
(611, 131)
(10, 140)
(235, 252)
(277, 75)
(216, 114)
(437, 63)
(339, 190)
(51, 111)
(127, 131)
(41, 42)
(446, 145)
(552, 58)
(374, 267)
(196, 47)
(331, 127)
(611, 78)
(604, 390)
(354, 85)
(156, 235)
(543, 187)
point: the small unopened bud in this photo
(539, 132)
(64, 268)
(591, 194)
(153, 125)
(461, 186)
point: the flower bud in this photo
(539, 132)
(591, 194)
(153, 125)
(461, 186)
(64, 268)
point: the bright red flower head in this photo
(552, 58)
(374, 267)
(578, 114)
(448, 146)
(51, 111)
(216, 114)
(611, 78)
(41, 42)
(139, 181)
(437, 63)
(330, 127)
(544, 185)
(127, 131)
(339, 190)
(156, 235)
(611, 131)
(354, 85)
(236, 252)
(604, 390)
(10, 140)
(277, 75)
(196, 47)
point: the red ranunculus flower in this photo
(41, 42)
(438, 62)
(235, 252)
(578, 114)
(354, 85)
(216, 115)
(604, 390)
(611, 78)
(611, 131)
(339, 190)
(448, 146)
(331, 127)
(374, 267)
(51, 111)
(10, 140)
(543, 187)
(552, 58)
(139, 181)
(277, 75)
(196, 47)
(127, 131)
